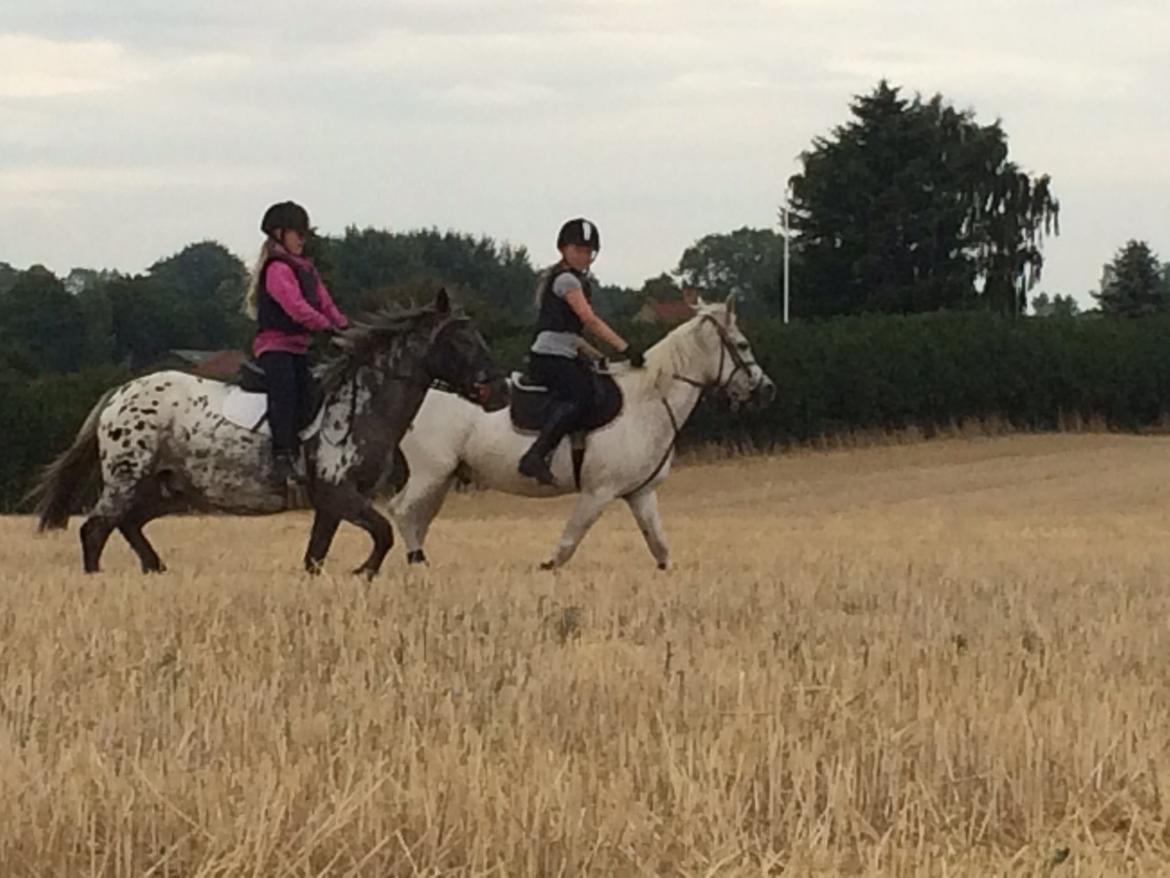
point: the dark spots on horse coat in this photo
(115, 434)
(140, 426)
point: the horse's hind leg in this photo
(149, 505)
(108, 514)
(644, 506)
(131, 529)
(414, 510)
(94, 534)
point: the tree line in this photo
(909, 207)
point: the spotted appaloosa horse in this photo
(167, 443)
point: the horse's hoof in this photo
(418, 556)
(366, 573)
(662, 565)
(314, 568)
(548, 565)
(158, 568)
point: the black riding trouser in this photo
(569, 379)
(287, 379)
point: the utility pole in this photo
(784, 208)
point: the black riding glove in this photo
(636, 357)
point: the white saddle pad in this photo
(247, 410)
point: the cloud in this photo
(81, 179)
(34, 67)
(182, 119)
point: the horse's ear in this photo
(442, 301)
(730, 305)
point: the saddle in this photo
(246, 403)
(530, 402)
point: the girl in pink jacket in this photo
(289, 302)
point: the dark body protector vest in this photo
(555, 313)
(269, 313)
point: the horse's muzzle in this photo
(763, 395)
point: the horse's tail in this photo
(63, 480)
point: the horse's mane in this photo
(386, 329)
(664, 358)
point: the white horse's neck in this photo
(677, 369)
(679, 358)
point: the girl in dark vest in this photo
(556, 359)
(288, 301)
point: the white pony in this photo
(627, 458)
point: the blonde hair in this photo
(251, 307)
(541, 280)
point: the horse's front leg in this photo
(344, 502)
(378, 527)
(325, 524)
(588, 509)
(644, 506)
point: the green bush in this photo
(931, 371)
(833, 378)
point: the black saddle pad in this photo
(252, 379)
(530, 403)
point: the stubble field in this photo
(950, 658)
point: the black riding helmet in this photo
(580, 231)
(285, 215)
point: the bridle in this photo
(477, 390)
(727, 350)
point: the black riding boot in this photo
(534, 463)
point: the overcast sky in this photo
(128, 129)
